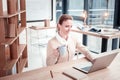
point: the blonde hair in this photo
(63, 18)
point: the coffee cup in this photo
(62, 50)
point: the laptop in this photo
(100, 62)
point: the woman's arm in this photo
(52, 54)
(84, 50)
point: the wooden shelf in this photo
(21, 48)
(9, 41)
(20, 29)
(6, 15)
(13, 51)
(21, 64)
(10, 64)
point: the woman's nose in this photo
(69, 29)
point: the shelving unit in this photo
(39, 37)
(13, 53)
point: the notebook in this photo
(100, 62)
(74, 74)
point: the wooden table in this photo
(114, 36)
(98, 34)
(110, 73)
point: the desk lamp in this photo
(104, 16)
(84, 15)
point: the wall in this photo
(52, 23)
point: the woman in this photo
(63, 38)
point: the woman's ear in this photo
(58, 27)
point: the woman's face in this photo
(65, 27)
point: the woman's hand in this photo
(55, 52)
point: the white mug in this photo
(62, 50)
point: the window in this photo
(58, 8)
(76, 8)
(101, 12)
(38, 10)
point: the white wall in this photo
(4, 5)
(52, 23)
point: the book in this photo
(74, 74)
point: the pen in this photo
(51, 73)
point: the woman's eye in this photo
(68, 26)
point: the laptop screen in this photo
(99, 62)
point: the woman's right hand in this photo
(56, 53)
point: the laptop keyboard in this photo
(86, 68)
